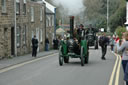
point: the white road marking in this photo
(22, 64)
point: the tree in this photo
(120, 30)
(96, 12)
(118, 18)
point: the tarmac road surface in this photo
(46, 71)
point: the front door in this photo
(12, 40)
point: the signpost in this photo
(126, 15)
(102, 29)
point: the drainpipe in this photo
(45, 14)
(15, 43)
(55, 23)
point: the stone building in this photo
(50, 26)
(22, 27)
(37, 23)
(6, 28)
(29, 20)
(50, 22)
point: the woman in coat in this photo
(124, 49)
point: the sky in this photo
(72, 6)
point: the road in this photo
(46, 71)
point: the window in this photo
(24, 35)
(3, 2)
(5, 33)
(17, 7)
(32, 14)
(47, 22)
(41, 40)
(41, 14)
(18, 36)
(49, 18)
(24, 7)
(32, 34)
(52, 20)
(24, 1)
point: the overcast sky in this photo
(73, 6)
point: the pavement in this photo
(20, 59)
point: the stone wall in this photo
(23, 21)
(6, 23)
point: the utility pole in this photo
(108, 29)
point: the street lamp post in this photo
(108, 29)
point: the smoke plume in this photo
(70, 7)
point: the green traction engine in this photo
(71, 48)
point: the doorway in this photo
(12, 41)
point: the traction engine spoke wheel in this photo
(60, 56)
(87, 58)
(82, 57)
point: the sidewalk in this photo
(20, 59)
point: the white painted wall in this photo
(126, 16)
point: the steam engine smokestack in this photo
(71, 26)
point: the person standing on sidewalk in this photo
(103, 42)
(46, 44)
(34, 46)
(55, 43)
(124, 49)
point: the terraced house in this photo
(6, 28)
(50, 22)
(20, 20)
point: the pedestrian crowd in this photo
(47, 47)
(120, 46)
(122, 49)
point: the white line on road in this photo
(113, 72)
(22, 64)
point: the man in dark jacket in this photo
(103, 42)
(80, 32)
(34, 46)
(55, 43)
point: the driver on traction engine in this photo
(80, 32)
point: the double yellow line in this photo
(116, 71)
